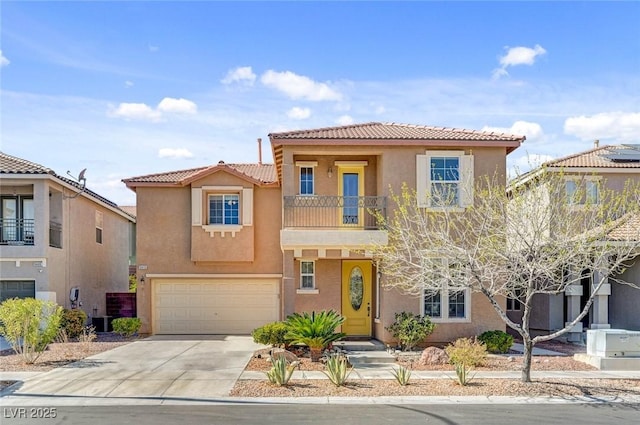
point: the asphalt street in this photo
(300, 414)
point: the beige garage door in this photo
(199, 306)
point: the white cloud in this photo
(517, 56)
(299, 87)
(182, 106)
(380, 110)
(128, 83)
(135, 111)
(153, 49)
(242, 74)
(345, 120)
(299, 113)
(532, 130)
(623, 126)
(3, 60)
(520, 165)
(172, 153)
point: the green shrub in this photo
(409, 330)
(281, 371)
(271, 334)
(467, 352)
(337, 369)
(496, 341)
(316, 330)
(29, 325)
(126, 326)
(133, 283)
(73, 322)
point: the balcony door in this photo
(17, 216)
(351, 188)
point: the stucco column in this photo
(573, 293)
(288, 284)
(601, 305)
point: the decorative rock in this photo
(511, 359)
(434, 356)
(277, 353)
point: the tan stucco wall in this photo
(388, 167)
(164, 237)
(94, 268)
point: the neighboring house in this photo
(229, 247)
(587, 174)
(58, 240)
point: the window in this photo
(307, 275)
(452, 302)
(99, 223)
(17, 219)
(581, 192)
(224, 209)
(306, 180)
(444, 179)
(513, 303)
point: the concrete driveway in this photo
(178, 367)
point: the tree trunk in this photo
(526, 364)
(315, 353)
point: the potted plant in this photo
(316, 330)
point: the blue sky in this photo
(131, 88)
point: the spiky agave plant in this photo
(316, 330)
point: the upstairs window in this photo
(306, 181)
(444, 179)
(224, 209)
(582, 192)
(99, 224)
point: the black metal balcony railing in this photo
(334, 212)
(16, 231)
(55, 234)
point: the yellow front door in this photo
(356, 297)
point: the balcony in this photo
(16, 231)
(55, 234)
(338, 222)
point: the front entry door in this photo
(356, 297)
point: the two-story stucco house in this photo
(587, 175)
(229, 247)
(58, 240)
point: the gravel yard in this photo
(447, 387)
(60, 354)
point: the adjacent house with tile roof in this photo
(229, 247)
(56, 235)
(587, 174)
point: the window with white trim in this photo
(306, 181)
(307, 275)
(452, 302)
(444, 179)
(224, 209)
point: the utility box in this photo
(613, 343)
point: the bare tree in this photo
(514, 242)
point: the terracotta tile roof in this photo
(167, 177)
(259, 173)
(594, 158)
(627, 229)
(129, 209)
(395, 131)
(14, 165)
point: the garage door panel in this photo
(214, 306)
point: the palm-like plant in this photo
(316, 330)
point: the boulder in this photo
(434, 356)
